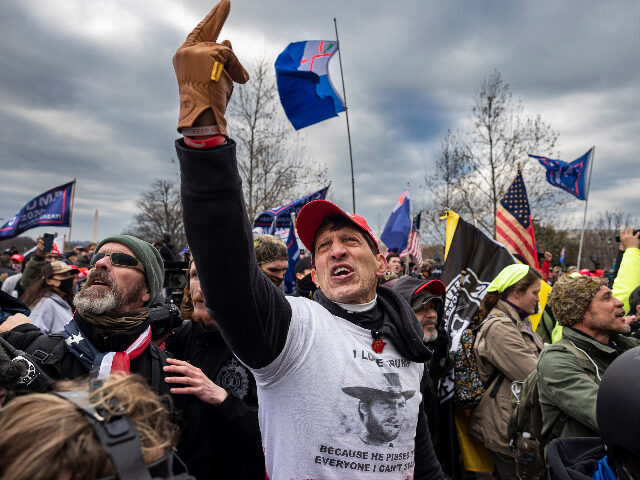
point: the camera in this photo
(164, 317)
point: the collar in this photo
(358, 307)
(114, 342)
(579, 335)
(521, 313)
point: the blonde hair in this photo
(44, 435)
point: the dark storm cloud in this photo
(89, 91)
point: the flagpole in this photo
(346, 112)
(586, 201)
(73, 198)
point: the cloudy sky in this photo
(87, 91)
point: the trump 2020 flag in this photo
(306, 92)
(571, 177)
(396, 232)
(51, 208)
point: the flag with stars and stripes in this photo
(514, 228)
(413, 244)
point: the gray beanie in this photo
(148, 255)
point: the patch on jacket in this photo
(234, 378)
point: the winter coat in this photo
(565, 387)
(51, 313)
(506, 343)
(574, 458)
(195, 418)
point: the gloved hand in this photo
(206, 70)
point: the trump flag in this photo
(51, 208)
(304, 86)
(570, 177)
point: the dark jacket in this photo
(574, 458)
(195, 418)
(236, 447)
(253, 315)
(564, 386)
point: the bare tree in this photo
(479, 164)
(270, 153)
(159, 213)
(599, 247)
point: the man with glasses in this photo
(110, 332)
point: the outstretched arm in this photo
(251, 312)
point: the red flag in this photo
(514, 228)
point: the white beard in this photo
(97, 302)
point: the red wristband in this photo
(205, 143)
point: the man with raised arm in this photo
(306, 355)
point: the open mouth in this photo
(341, 271)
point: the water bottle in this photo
(527, 448)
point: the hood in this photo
(574, 458)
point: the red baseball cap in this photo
(435, 287)
(314, 213)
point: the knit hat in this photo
(571, 298)
(269, 248)
(148, 255)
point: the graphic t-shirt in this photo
(330, 407)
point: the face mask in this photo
(276, 280)
(66, 286)
(307, 284)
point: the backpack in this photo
(526, 419)
(468, 387)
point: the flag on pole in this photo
(294, 256)
(562, 254)
(51, 208)
(570, 177)
(514, 228)
(413, 243)
(304, 86)
(279, 218)
(396, 232)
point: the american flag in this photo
(413, 244)
(514, 228)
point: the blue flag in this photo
(396, 232)
(294, 256)
(570, 177)
(306, 92)
(51, 208)
(279, 218)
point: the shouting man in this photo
(302, 353)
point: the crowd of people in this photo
(101, 375)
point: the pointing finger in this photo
(209, 28)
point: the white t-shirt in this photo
(330, 407)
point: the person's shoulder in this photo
(554, 356)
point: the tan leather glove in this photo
(206, 70)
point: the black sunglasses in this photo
(118, 259)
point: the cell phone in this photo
(618, 236)
(48, 241)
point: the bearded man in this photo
(303, 353)
(110, 331)
(235, 449)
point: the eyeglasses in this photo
(118, 259)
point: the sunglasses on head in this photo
(118, 259)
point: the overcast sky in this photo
(87, 91)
